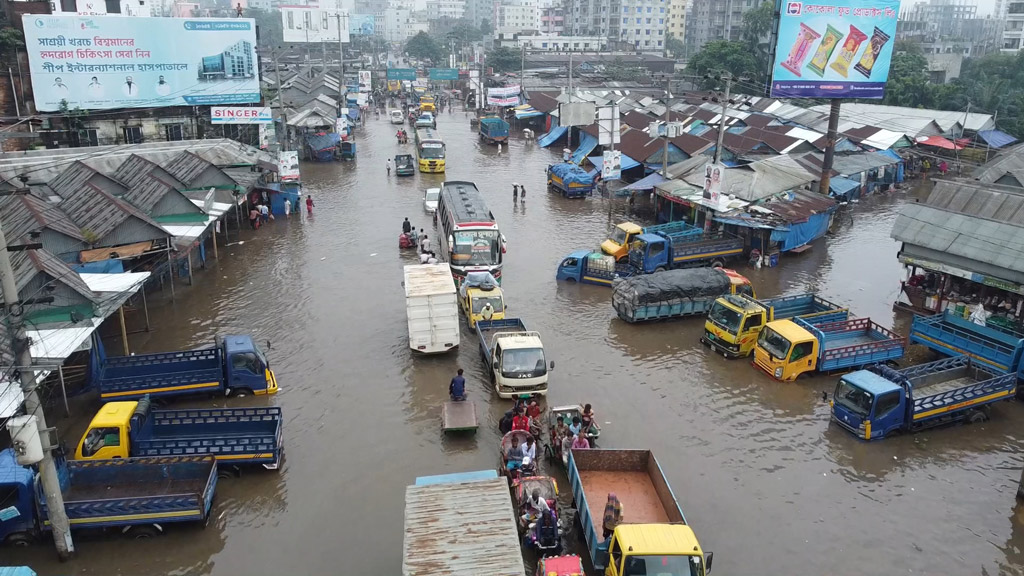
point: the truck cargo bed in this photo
(243, 435)
(953, 336)
(640, 500)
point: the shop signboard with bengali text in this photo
(104, 62)
(241, 115)
(834, 48)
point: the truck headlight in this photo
(778, 372)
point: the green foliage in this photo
(674, 46)
(485, 27)
(269, 24)
(464, 31)
(423, 46)
(908, 78)
(504, 59)
(757, 25)
(722, 56)
(10, 41)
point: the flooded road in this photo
(766, 482)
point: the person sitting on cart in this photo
(520, 421)
(558, 432)
(576, 425)
(457, 387)
(505, 424)
(587, 417)
(534, 506)
(580, 442)
(567, 445)
(547, 529)
(530, 449)
(514, 456)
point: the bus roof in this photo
(425, 133)
(465, 203)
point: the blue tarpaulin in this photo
(587, 145)
(572, 180)
(112, 266)
(322, 146)
(899, 166)
(627, 162)
(529, 112)
(838, 186)
(802, 233)
(552, 136)
(996, 138)
(353, 113)
(647, 182)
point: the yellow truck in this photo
(427, 104)
(618, 241)
(735, 320)
(481, 298)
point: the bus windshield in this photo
(476, 248)
(432, 150)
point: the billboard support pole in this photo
(342, 90)
(830, 147)
(721, 121)
(282, 136)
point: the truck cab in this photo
(108, 435)
(17, 486)
(246, 368)
(427, 104)
(618, 241)
(786, 350)
(474, 300)
(656, 549)
(869, 405)
(519, 365)
(733, 325)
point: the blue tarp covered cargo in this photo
(571, 180)
(322, 146)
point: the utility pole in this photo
(341, 65)
(568, 129)
(830, 147)
(721, 121)
(33, 406)
(282, 136)
(664, 153)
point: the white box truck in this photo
(431, 305)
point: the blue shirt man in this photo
(457, 388)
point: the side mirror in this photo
(707, 562)
(552, 365)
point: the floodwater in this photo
(768, 484)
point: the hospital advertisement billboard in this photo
(104, 62)
(834, 48)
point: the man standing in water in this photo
(309, 204)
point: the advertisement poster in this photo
(714, 177)
(288, 166)
(611, 165)
(507, 96)
(240, 115)
(103, 62)
(365, 80)
(834, 48)
(361, 24)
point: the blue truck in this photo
(234, 436)
(592, 267)
(787, 349)
(493, 130)
(952, 335)
(675, 293)
(879, 402)
(137, 496)
(514, 357)
(660, 249)
(233, 366)
(571, 180)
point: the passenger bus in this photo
(469, 237)
(429, 150)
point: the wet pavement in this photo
(766, 482)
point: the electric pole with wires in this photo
(33, 406)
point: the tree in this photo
(423, 46)
(464, 31)
(10, 41)
(485, 27)
(908, 77)
(756, 34)
(723, 56)
(269, 25)
(504, 59)
(674, 46)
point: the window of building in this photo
(661, 20)
(290, 17)
(638, 20)
(625, 20)
(85, 137)
(648, 31)
(649, 9)
(133, 134)
(639, 10)
(174, 132)
(659, 42)
(648, 20)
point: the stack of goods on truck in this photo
(671, 293)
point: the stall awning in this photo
(838, 186)
(627, 163)
(587, 145)
(526, 111)
(996, 138)
(552, 136)
(938, 142)
(647, 182)
(353, 113)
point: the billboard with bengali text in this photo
(401, 73)
(444, 73)
(834, 48)
(103, 62)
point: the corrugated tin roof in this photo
(902, 119)
(92, 207)
(22, 214)
(543, 101)
(850, 164)
(760, 179)
(187, 166)
(147, 192)
(691, 144)
(963, 236)
(800, 206)
(1000, 203)
(1009, 161)
(461, 529)
(637, 120)
(28, 263)
(638, 145)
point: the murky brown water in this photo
(767, 483)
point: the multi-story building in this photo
(1013, 27)
(708, 20)
(944, 18)
(446, 9)
(677, 19)
(550, 42)
(516, 15)
(552, 19)
(627, 24)
(479, 10)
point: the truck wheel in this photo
(659, 269)
(240, 392)
(977, 417)
(717, 264)
(143, 532)
(19, 540)
(227, 472)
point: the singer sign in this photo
(240, 115)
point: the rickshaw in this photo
(523, 488)
(348, 150)
(553, 449)
(560, 566)
(506, 444)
